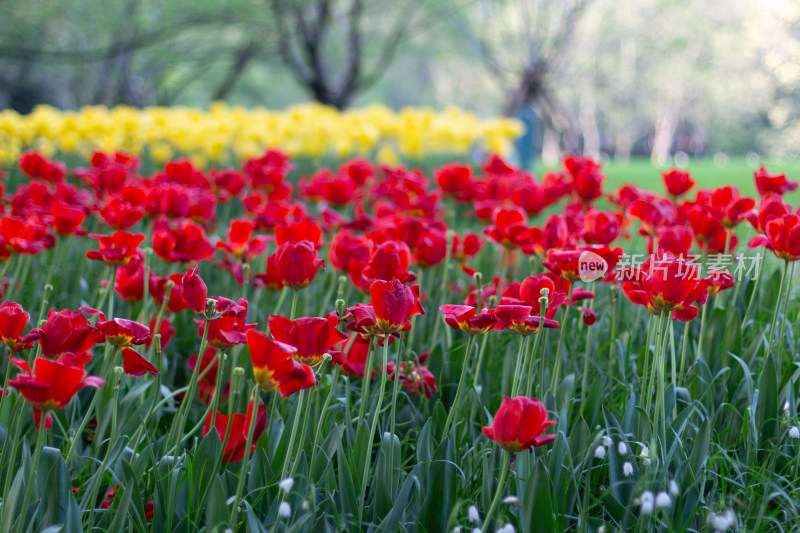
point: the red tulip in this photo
(508, 224)
(467, 319)
(116, 249)
(771, 207)
(454, 180)
(296, 233)
(667, 284)
(65, 331)
(52, 384)
(431, 250)
(520, 424)
(194, 291)
(240, 242)
(718, 281)
(653, 214)
(587, 178)
(676, 240)
(229, 328)
(297, 264)
(518, 318)
(187, 242)
(165, 329)
(394, 303)
(209, 368)
(124, 334)
(13, 320)
(274, 366)
(415, 378)
(239, 430)
(355, 361)
(782, 238)
(122, 211)
(767, 183)
(347, 249)
(390, 261)
(677, 182)
(36, 165)
(67, 220)
(158, 288)
(585, 263)
(554, 235)
(270, 279)
(22, 236)
(601, 227)
(727, 205)
(129, 279)
(312, 336)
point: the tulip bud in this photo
(236, 380)
(157, 344)
(118, 373)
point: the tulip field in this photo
(272, 342)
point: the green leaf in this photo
(537, 509)
(440, 491)
(766, 412)
(216, 505)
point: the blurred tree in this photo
(334, 66)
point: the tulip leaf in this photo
(440, 490)
(766, 412)
(537, 508)
(216, 505)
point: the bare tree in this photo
(523, 46)
(330, 48)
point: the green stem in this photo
(517, 379)
(785, 311)
(373, 428)
(506, 460)
(554, 382)
(683, 351)
(243, 473)
(479, 364)
(586, 354)
(328, 398)
(366, 381)
(297, 413)
(777, 307)
(755, 290)
(461, 382)
(295, 297)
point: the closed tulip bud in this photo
(194, 292)
(520, 424)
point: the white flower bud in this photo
(645, 455)
(646, 502)
(607, 441)
(674, 489)
(786, 406)
(476, 530)
(663, 499)
(284, 510)
(473, 515)
(286, 484)
(794, 432)
(622, 448)
(627, 469)
(508, 528)
(306, 505)
(600, 453)
(511, 500)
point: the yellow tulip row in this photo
(224, 134)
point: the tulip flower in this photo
(347, 249)
(601, 227)
(22, 236)
(782, 237)
(116, 249)
(52, 384)
(771, 207)
(767, 183)
(165, 329)
(13, 320)
(158, 289)
(124, 334)
(241, 243)
(669, 285)
(677, 182)
(727, 206)
(67, 220)
(467, 319)
(275, 367)
(520, 424)
(209, 368)
(297, 264)
(553, 235)
(36, 165)
(194, 292)
(299, 232)
(182, 243)
(229, 328)
(676, 240)
(65, 331)
(271, 278)
(389, 261)
(394, 303)
(129, 279)
(312, 336)
(415, 378)
(518, 318)
(239, 429)
(508, 226)
(431, 250)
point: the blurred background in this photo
(660, 81)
